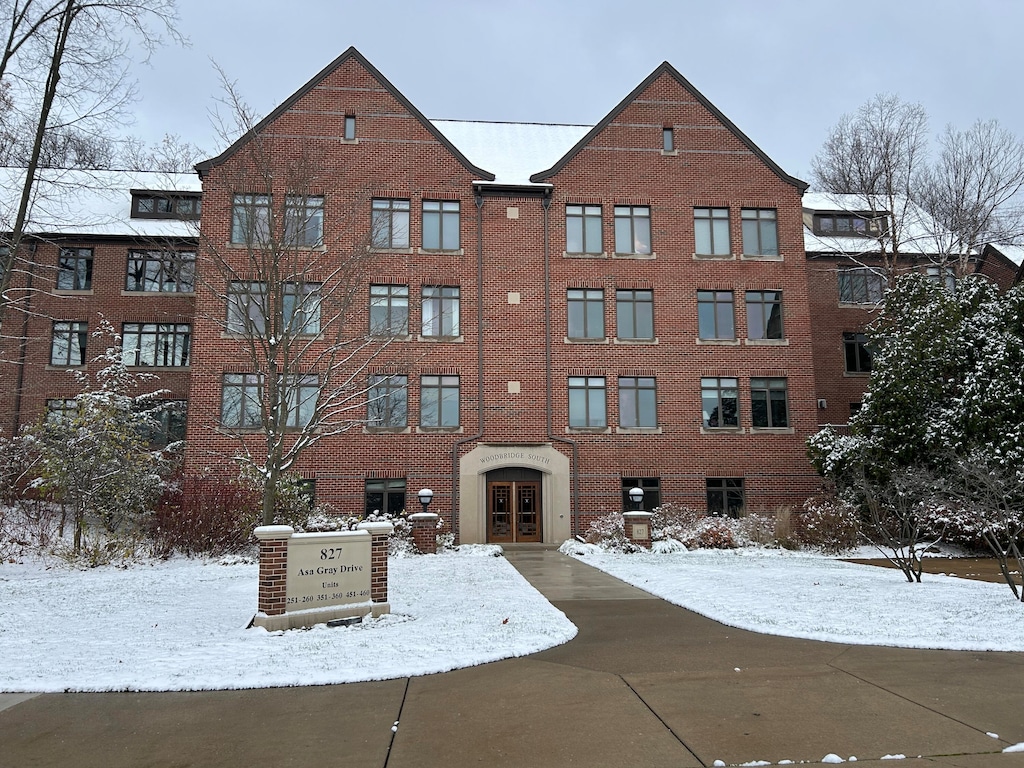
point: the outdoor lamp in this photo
(425, 495)
(636, 495)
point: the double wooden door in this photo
(513, 511)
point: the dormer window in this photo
(849, 224)
(166, 205)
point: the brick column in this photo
(273, 567)
(424, 532)
(379, 533)
(638, 528)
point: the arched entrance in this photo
(514, 511)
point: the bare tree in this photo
(171, 155)
(287, 288)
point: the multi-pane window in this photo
(944, 276)
(652, 492)
(638, 401)
(250, 220)
(715, 319)
(158, 345)
(161, 271)
(441, 225)
(241, 400)
(68, 344)
(764, 315)
(58, 409)
(632, 229)
(760, 231)
(300, 395)
(388, 401)
(849, 225)
(389, 310)
(389, 223)
(587, 403)
(720, 402)
(634, 314)
(183, 206)
(385, 496)
(248, 308)
(167, 423)
(440, 310)
(74, 269)
(439, 401)
(304, 220)
(711, 231)
(858, 356)
(585, 311)
(768, 402)
(860, 285)
(725, 496)
(583, 229)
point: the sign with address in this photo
(327, 569)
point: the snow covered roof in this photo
(97, 203)
(919, 235)
(512, 151)
(1014, 253)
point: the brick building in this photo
(564, 312)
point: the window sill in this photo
(760, 257)
(634, 342)
(185, 294)
(588, 430)
(441, 339)
(721, 430)
(772, 430)
(441, 251)
(638, 430)
(439, 430)
(718, 342)
(224, 429)
(280, 248)
(73, 291)
(603, 340)
(856, 374)
(637, 256)
(859, 305)
(386, 430)
(385, 337)
(670, 153)
(714, 257)
(52, 367)
(259, 336)
(766, 342)
(169, 368)
(407, 250)
(348, 141)
(601, 255)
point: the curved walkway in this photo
(644, 684)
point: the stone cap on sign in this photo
(636, 516)
(376, 528)
(273, 532)
(423, 516)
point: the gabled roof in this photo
(667, 68)
(204, 167)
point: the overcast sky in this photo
(783, 71)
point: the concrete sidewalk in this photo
(644, 684)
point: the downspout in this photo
(574, 472)
(23, 342)
(478, 198)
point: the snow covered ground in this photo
(180, 625)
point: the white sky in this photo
(782, 71)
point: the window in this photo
(855, 409)
(638, 402)
(68, 344)
(858, 356)
(304, 220)
(585, 310)
(441, 225)
(440, 310)
(720, 402)
(168, 423)
(652, 492)
(439, 401)
(760, 232)
(300, 395)
(587, 402)
(583, 229)
(725, 496)
(764, 315)
(389, 310)
(388, 401)
(170, 206)
(944, 276)
(60, 409)
(247, 308)
(860, 286)
(74, 269)
(632, 229)
(250, 220)
(711, 231)
(350, 127)
(241, 401)
(161, 272)
(768, 402)
(158, 345)
(389, 223)
(385, 496)
(634, 314)
(849, 224)
(715, 315)
(668, 143)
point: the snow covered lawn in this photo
(810, 596)
(180, 625)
